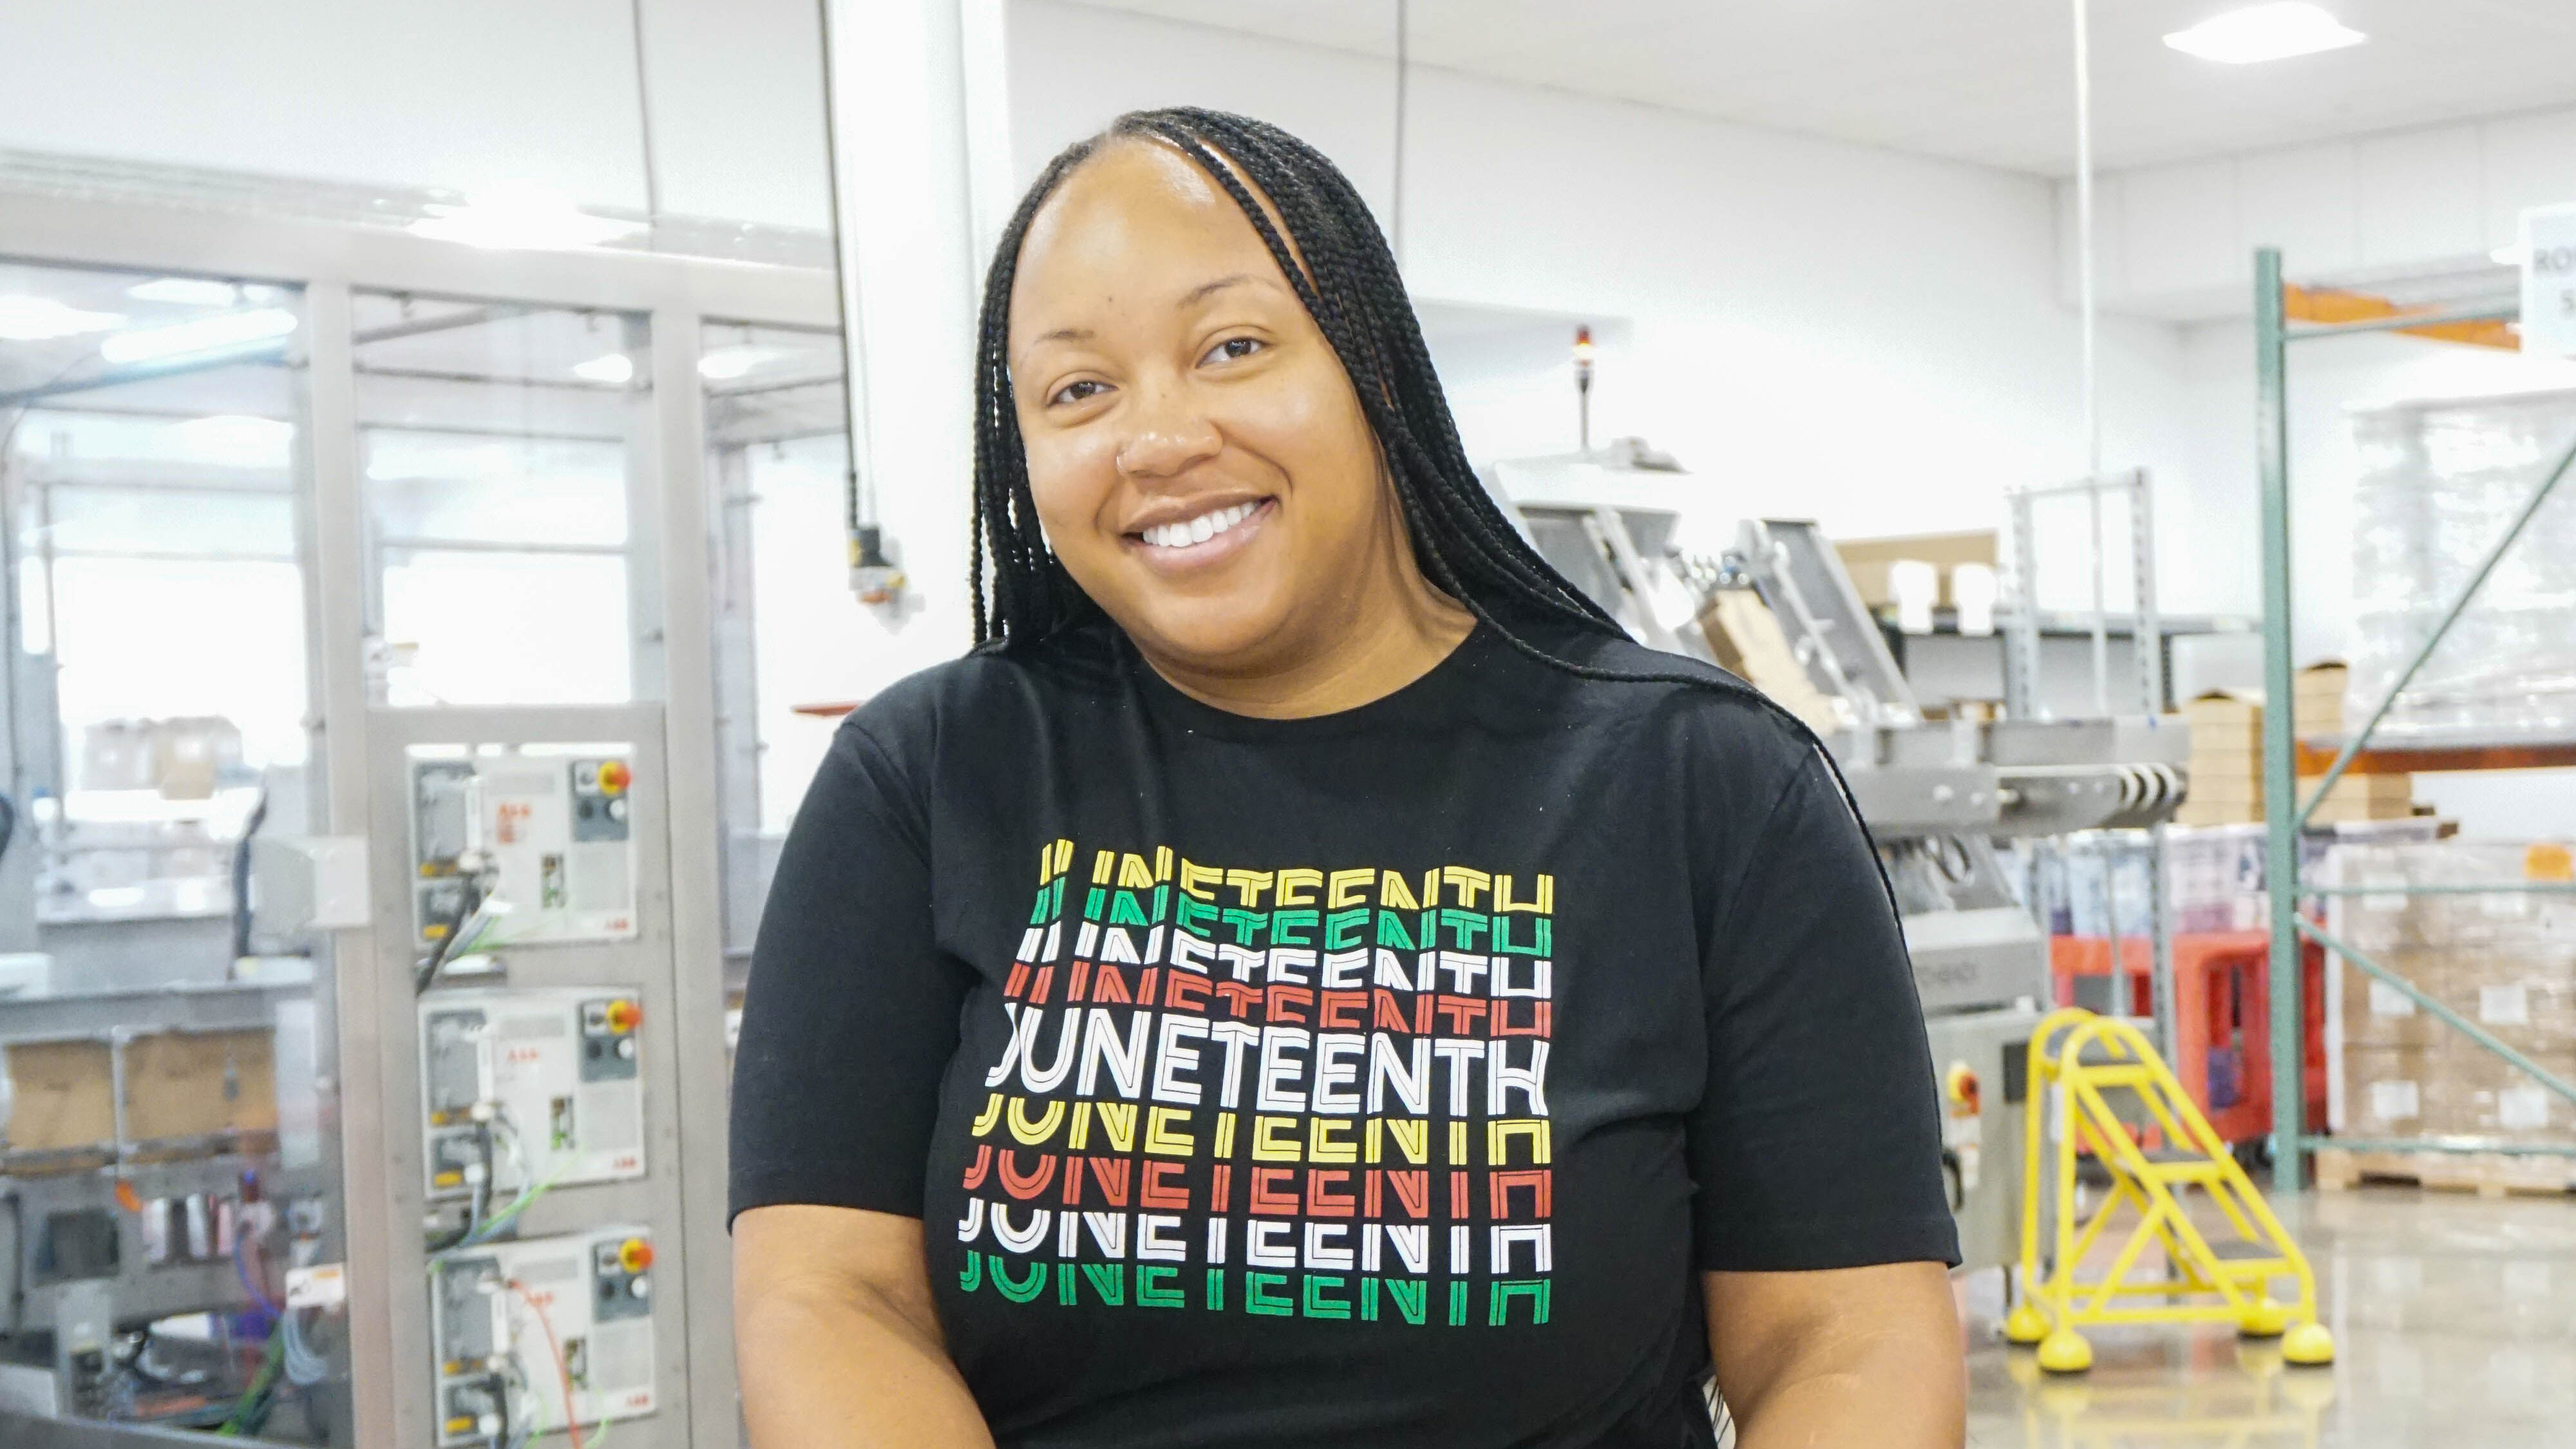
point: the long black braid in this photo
(1346, 276)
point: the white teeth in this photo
(1199, 529)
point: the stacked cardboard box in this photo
(2505, 961)
(2227, 757)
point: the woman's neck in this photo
(1387, 636)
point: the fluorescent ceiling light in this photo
(523, 216)
(614, 368)
(727, 363)
(41, 319)
(221, 332)
(2265, 32)
(186, 292)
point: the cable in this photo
(241, 873)
(563, 1370)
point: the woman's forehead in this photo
(1134, 205)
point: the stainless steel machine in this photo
(1770, 600)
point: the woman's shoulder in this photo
(1674, 700)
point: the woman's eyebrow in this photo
(1202, 291)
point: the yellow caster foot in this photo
(2025, 1325)
(2266, 1319)
(2308, 1344)
(2065, 1352)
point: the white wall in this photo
(2178, 241)
(1818, 328)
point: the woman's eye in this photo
(1233, 348)
(1074, 392)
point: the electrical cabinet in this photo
(525, 1087)
(547, 836)
(520, 1328)
(1980, 1065)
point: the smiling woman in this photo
(1435, 1019)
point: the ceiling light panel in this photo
(2265, 32)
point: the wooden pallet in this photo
(2488, 1174)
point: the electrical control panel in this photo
(518, 1328)
(526, 1087)
(547, 838)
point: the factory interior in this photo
(459, 464)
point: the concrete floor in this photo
(2454, 1319)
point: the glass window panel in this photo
(459, 628)
(790, 637)
(168, 522)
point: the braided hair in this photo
(1345, 275)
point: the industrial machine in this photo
(1770, 600)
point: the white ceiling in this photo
(1988, 81)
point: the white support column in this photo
(921, 171)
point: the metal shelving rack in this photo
(2287, 813)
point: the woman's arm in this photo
(838, 1344)
(1845, 1356)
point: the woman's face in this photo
(1195, 450)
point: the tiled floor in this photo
(2454, 1320)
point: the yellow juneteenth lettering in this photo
(1457, 1144)
(1063, 857)
(1118, 1119)
(1080, 1137)
(1032, 1133)
(1225, 1135)
(1394, 895)
(1046, 862)
(992, 1113)
(1274, 1139)
(1103, 865)
(1412, 1138)
(1348, 888)
(1468, 884)
(1197, 880)
(1320, 1146)
(1162, 863)
(1498, 1136)
(1134, 873)
(1303, 882)
(1544, 904)
(1252, 883)
(1162, 1138)
(1377, 1139)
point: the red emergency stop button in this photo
(1963, 1088)
(614, 777)
(635, 1255)
(624, 1015)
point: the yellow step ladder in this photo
(2084, 1069)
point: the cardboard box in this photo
(62, 1096)
(1868, 560)
(2385, 1091)
(200, 1084)
(2526, 1000)
(2475, 1093)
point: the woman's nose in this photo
(1170, 436)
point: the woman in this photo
(1306, 977)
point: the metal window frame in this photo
(2285, 814)
(674, 296)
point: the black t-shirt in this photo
(1386, 1077)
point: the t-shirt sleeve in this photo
(852, 1013)
(1816, 1143)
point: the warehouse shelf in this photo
(2289, 762)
